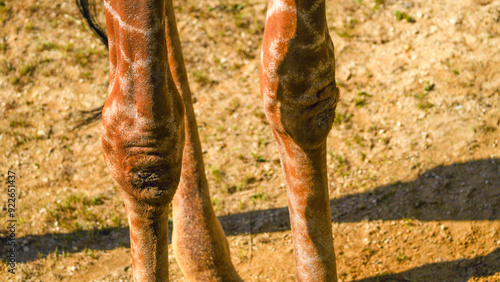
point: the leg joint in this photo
(144, 159)
(151, 178)
(308, 124)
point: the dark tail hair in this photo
(88, 11)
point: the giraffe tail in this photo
(88, 11)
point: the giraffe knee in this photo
(144, 158)
(308, 124)
(151, 178)
(155, 184)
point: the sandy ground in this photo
(413, 158)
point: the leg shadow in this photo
(454, 271)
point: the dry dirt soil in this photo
(413, 157)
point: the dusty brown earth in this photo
(414, 158)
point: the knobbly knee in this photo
(144, 161)
(152, 179)
(148, 177)
(308, 124)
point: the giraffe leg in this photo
(143, 128)
(299, 96)
(200, 245)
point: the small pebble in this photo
(408, 4)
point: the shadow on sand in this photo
(457, 271)
(466, 191)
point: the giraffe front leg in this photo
(143, 129)
(299, 96)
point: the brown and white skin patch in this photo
(143, 128)
(297, 80)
